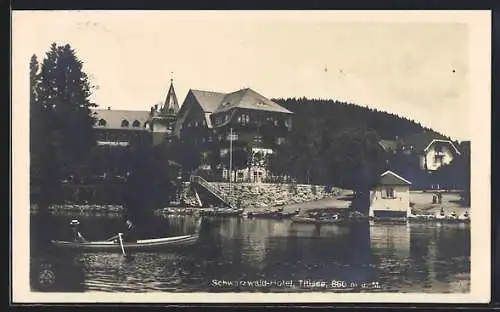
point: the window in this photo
(439, 149)
(244, 119)
(288, 122)
(280, 141)
(257, 139)
(102, 122)
(389, 192)
(196, 124)
(209, 139)
(136, 124)
(125, 123)
(202, 140)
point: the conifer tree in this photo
(61, 120)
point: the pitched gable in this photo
(249, 99)
(391, 178)
(418, 142)
(208, 100)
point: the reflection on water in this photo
(402, 258)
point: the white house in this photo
(437, 153)
(426, 149)
(390, 199)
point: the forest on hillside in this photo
(338, 115)
(337, 143)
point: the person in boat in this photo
(130, 232)
(76, 235)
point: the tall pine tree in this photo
(61, 120)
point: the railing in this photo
(212, 189)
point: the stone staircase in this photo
(197, 181)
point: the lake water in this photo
(288, 257)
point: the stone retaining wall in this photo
(81, 208)
(261, 195)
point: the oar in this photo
(121, 244)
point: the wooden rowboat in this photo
(272, 214)
(321, 221)
(116, 245)
(140, 245)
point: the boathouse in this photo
(390, 199)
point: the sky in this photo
(416, 69)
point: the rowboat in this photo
(140, 245)
(117, 245)
(272, 214)
(320, 221)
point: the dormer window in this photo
(125, 124)
(102, 122)
(136, 124)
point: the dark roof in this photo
(389, 145)
(249, 99)
(114, 118)
(171, 106)
(208, 100)
(391, 178)
(420, 141)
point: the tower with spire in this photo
(164, 116)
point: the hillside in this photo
(339, 115)
(345, 145)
